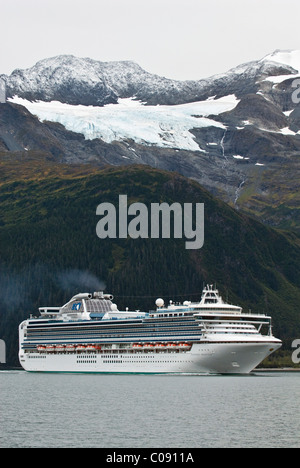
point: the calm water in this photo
(140, 411)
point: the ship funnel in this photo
(108, 296)
(81, 296)
(100, 295)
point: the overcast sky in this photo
(180, 39)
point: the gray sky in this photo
(180, 39)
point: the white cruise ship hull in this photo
(90, 334)
(209, 357)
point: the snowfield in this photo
(163, 126)
(285, 57)
(290, 58)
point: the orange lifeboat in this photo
(91, 347)
(171, 345)
(41, 348)
(70, 347)
(50, 348)
(60, 347)
(160, 346)
(148, 346)
(137, 345)
(184, 346)
(81, 347)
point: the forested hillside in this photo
(49, 249)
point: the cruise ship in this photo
(89, 334)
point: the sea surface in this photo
(149, 411)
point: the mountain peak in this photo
(70, 60)
(289, 57)
(74, 80)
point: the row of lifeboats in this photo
(69, 347)
(94, 347)
(162, 346)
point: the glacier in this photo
(161, 125)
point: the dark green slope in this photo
(49, 249)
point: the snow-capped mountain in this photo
(235, 133)
(73, 80)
